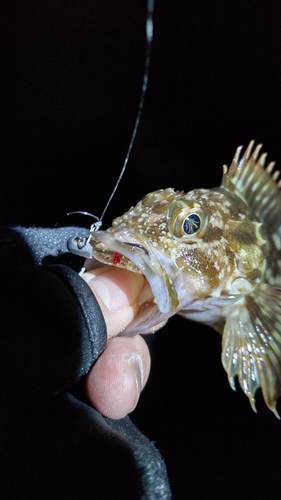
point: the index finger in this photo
(117, 292)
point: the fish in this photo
(212, 256)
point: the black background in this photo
(71, 77)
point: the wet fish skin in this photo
(214, 256)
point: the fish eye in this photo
(186, 220)
(192, 224)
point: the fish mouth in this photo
(122, 249)
(104, 254)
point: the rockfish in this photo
(213, 256)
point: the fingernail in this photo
(146, 294)
(104, 290)
(117, 289)
(135, 363)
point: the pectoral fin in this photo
(251, 345)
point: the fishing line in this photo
(149, 37)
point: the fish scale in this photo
(213, 256)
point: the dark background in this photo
(71, 77)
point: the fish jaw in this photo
(172, 290)
(150, 263)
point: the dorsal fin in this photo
(248, 178)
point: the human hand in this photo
(114, 383)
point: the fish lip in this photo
(145, 258)
(125, 244)
(139, 246)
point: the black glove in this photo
(53, 443)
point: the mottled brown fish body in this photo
(213, 256)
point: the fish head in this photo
(194, 248)
(212, 255)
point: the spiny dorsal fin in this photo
(251, 346)
(248, 178)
